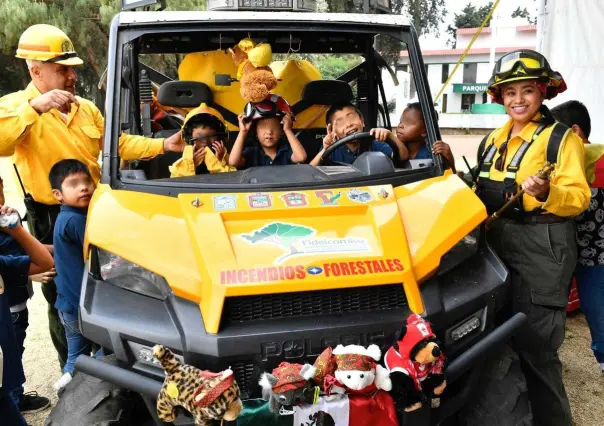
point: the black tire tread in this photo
(87, 400)
(501, 398)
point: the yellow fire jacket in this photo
(569, 193)
(185, 166)
(39, 141)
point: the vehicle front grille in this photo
(244, 374)
(244, 309)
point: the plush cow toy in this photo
(351, 369)
(416, 365)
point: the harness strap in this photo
(555, 140)
(510, 177)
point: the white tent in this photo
(571, 36)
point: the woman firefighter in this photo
(536, 236)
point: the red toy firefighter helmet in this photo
(525, 65)
(272, 106)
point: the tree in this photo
(525, 14)
(86, 22)
(470, 17)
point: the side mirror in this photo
(223, 80)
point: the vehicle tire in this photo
(90, 401)
(501, 397)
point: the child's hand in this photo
(330, 137)
(7, 211)
(220, 149)
(442, 148)
(45, 277)
(199, 156)
(380, 135)
(288, 123)
(243, 125)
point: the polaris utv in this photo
(249, 268)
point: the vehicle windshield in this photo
(168, 75)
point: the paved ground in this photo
(585, 385)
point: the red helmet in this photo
(272, 106)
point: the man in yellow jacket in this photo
(47, 123)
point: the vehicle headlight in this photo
(464, 249)
(124, 274)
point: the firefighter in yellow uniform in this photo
(46, 123)
(536, 236)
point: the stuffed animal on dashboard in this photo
(207, 396)
(253, 72)
(416, 365)
(351, 369)
(289, 385)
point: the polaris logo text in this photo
(299, 272)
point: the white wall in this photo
(506, 37)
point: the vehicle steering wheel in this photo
(362, 137)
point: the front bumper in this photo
(459, 367)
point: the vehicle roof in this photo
(126, 18)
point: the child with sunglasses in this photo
(203, 131)
(269, 120)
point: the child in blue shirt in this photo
(72, 186)
(15, 269)
(345, 119)
(411, 130)
(271, 122)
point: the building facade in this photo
(464, 102)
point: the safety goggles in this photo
(207, 139)
(531, 63)
(63, 57)
(262, 109)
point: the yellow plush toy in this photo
(253, 70)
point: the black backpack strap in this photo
(481, 146)
(555, 140)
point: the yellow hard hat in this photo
(46, 43)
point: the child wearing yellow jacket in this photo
(203, 131)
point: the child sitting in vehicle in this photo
(203, 131)
(344, 120)
(412, 132)
(269, 120)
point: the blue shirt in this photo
(344, 155)
(255, 156)
(423, 153)
(68, 240)
(17, 290)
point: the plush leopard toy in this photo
(207, 396)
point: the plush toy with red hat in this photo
(351, 369)
(289, 385)
(416, 365)
(206, 395)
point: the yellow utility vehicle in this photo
(250, 268)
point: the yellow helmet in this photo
(46, 43)
(206, 116)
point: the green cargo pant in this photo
(541, 259)
(42, 229)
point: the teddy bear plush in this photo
(289, 385)
(206, 395)
(351, 369)
(253, 71)
(416, 365)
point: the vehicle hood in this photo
(212, 246)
